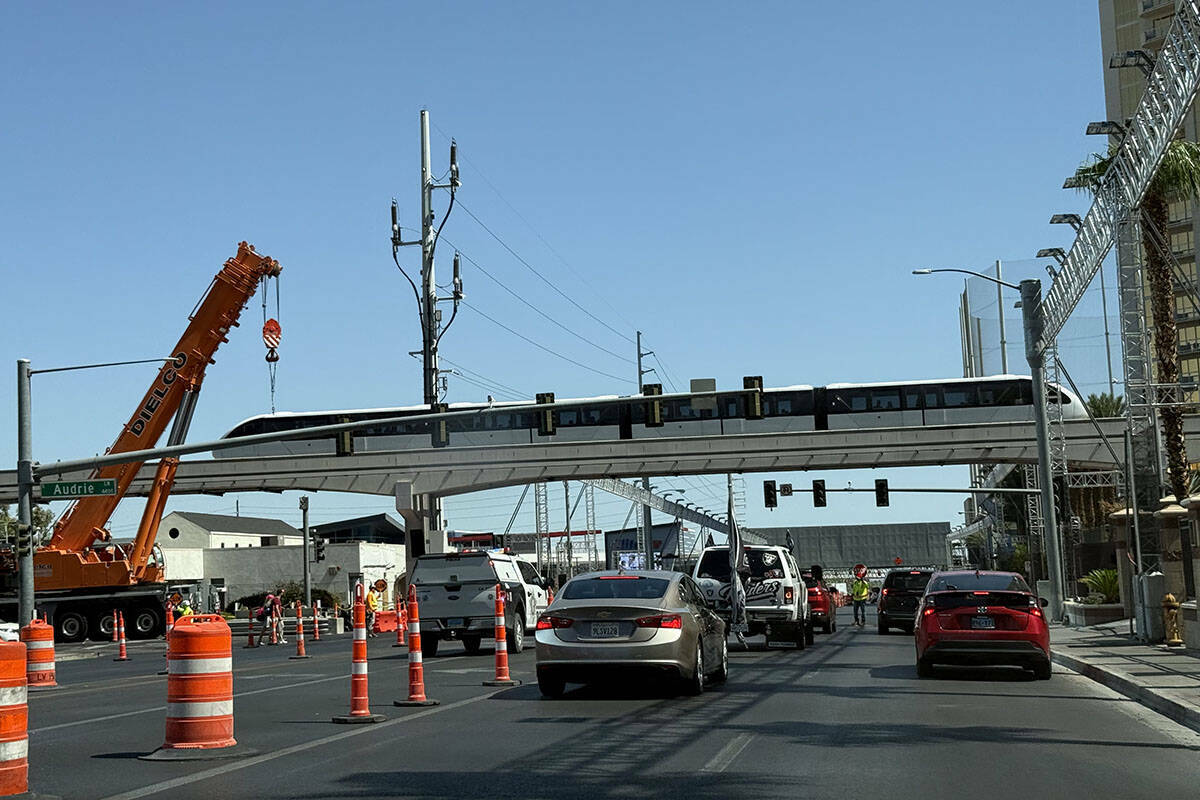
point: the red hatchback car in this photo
(974, 617)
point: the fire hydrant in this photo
(1171, 620)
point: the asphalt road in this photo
(847, 716)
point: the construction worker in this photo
(185, 608)
(372, 607)
(860, 590)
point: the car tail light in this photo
(1034, 610)
(884, 592)
(547, 622)
(929, 611)
(661, 621)
(788, 594)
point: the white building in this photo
(232, 557)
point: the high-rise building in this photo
(1128, 25)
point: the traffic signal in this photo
(318, 548)
(769, 498)
(881, 492)
(818, 494)
(785, 489)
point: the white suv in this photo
(457, 596)
(776, 596)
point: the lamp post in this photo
(1033, 324)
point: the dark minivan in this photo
(899, 598)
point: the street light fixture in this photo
(1034, 324)
(1067, 219)
(1078, 182)
(1105, 128)
(1056, 253)
(1139, 59)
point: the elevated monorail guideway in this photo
(458, 470)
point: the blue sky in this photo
(748, 185)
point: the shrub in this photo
(288, 592)
(1105, 583)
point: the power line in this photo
(510, 390)
(541, 238)
(534, 270)
(542, 346)
(539, 311)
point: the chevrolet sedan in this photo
(604, 626)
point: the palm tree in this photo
(1102, 406)
(1177, 178)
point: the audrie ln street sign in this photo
(69, 490)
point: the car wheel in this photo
(810, 634)
(429, 647)
(470, 644)
(800, 637)
(516, 631)
(1042, 671)
(833, 626)
(883, 628)
(550, 684)
(909, 629)
(924, 668)
(722, 673)
(695, 685)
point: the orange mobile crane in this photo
(80, 575)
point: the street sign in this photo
(69, 490)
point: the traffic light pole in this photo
(307, 566)
(24, 495)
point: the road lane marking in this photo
(253, 761)
(728, 753)
(108, 717)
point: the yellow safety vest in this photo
(861, 590)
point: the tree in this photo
(1177, 178)
(1105, 405)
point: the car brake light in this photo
(980, 593)
(884, 592)
(1033, 607)
(661, 621)
(788, 594)
(929, 611)
(546, 622)
(618, 577)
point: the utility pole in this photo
(24, 494)
(1000, 314)
(307, 568)
(567, 530)
(427, 299)
(1033, 318)
(647, 526)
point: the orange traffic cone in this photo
(121, 655)
(501, 635)
(360, 704)
(299, 633)
(416, 670)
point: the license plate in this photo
(605, 630)
(983, 623)
(457, 622)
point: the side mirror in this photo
(1043, 601)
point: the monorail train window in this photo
(959, 396)
(731, 406)
(885, 399)
(1052, 395)
(787, 404)
(1000, 393)
(843, 401)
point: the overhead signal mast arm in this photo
(209, 324)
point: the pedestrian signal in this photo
(819, 494)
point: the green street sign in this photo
(70, 490)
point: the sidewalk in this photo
(1162, 678)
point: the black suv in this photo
(900, 596)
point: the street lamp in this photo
(1034, 324)
(1067, 219)
(1106, 128)
(1056, 253)
(1139, 59)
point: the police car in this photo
(776, 596)
(457, 596)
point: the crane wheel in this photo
(144, 622)
(70, 625)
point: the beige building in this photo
(1142, 25)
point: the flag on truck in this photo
(737, 592)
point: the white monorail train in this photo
(838, 406)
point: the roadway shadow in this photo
(989, 674)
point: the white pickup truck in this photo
(776, 596)
(457, 597)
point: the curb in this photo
(1182, 713)
(69, 656)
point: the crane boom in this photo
(84, 523)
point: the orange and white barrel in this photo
(200, 684)
(14, 721)
(39, 643)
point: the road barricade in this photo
(120, 631)
(39, 643)
(416, 667)
(385, 622)
(199, 723)
(14, 720)
(501, 636)
(299, 633)
(360, 703)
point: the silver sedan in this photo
(604, 625)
